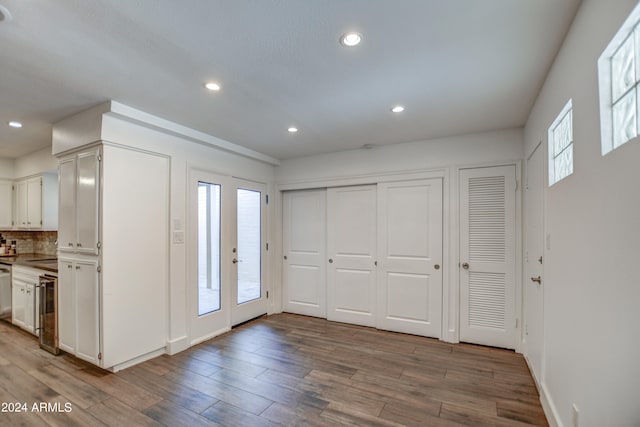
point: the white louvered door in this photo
(487, 256)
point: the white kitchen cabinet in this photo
(79, 197)
(25, 298)
(37, 202)
(79, 308)
(6, 204)
(113, 232)
(18, 300)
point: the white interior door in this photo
(487, 256)
(533, 285)
(410, 257)
(208, 264)
(351, 248)
(305, 260)
(248, 296)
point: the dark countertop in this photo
(39, 261)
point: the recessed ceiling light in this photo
(351, 39)
(15, 124)
(398, 109)
(293, 129)
(212, 86)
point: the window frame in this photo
(566, 112)
(629, 30)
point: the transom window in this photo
(619, 78)
(561, 145)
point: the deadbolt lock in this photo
(437, 266)
(465, 265)
(330, 261)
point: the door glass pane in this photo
(208, 248)
(249, 245)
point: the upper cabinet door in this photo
(34, 202)
(67, 205)
(21, 204)
(6, 204)
(87, 199)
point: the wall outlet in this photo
(575, 415)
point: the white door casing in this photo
(351, 248)
(533, 335)
(305, 260)
(487, 255)
(410, 257)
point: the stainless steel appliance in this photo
(49, 313)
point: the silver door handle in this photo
(465, 265)
(538, 280)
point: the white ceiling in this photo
(459, 66)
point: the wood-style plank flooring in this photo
(279, 370)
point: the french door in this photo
(248, 293)
(226, 253)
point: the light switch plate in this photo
(178, 237)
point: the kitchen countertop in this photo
(39, 261)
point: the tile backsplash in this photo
(27, 242)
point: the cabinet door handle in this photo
(69, 266)
(79, 245)
(77, 267)
(70, 244)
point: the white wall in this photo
(6, 168)
(591, 279)
(469, 149)
(184, 154)
(35, 163)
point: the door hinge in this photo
(266, 198)
(99, 269)
(100, 356)
(267, 246)
(516, 323)
(99, 157)
(98, 245)
(267, 294)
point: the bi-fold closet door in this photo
(368, 255)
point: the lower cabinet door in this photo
(66, 306)
(18, 297)
(87, 310)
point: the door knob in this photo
(437, 266)
(330, 261)
(465, 265)
(538, 280)
(235, 261)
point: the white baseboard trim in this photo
(547, 404)
(177, 345)
(549, 408)
(209, 336)
(137, 360)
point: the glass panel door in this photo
(249, 245)
(248, 252)
(208, 285)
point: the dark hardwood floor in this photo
(278, 370)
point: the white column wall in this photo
(184, 155)
(591, 285)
